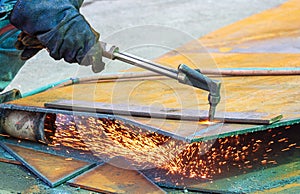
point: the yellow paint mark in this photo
(225, 49)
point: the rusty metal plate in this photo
(52, 169)
(165, 113)
(117, 176)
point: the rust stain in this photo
(281, 21)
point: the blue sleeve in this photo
(5, 7)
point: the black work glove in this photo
(58, 26)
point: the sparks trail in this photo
(109, 138)
(237, 154)
(172, 158)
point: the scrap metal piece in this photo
(52, 169)
(167, 113)
(25, 125)
(117, 176)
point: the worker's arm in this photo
(57, 25)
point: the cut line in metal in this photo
(166, 113)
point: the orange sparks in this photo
(206, 122)
(282, 140)
(272, 162)
(271, 142)
(268, 150)
(293, 144)
(244, 148)
(264, 162)
(107, 138)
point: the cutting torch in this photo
(183, 74)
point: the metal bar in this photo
(145, 65)
(178, 114)
(150, 62)
(253, 71)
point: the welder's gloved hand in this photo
(58, 25)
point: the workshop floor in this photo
(115, 19)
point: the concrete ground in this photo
(118, 21)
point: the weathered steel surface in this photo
(115, 177)
(163, 113)
(280, 24)
(52, 169)
(276, 95)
